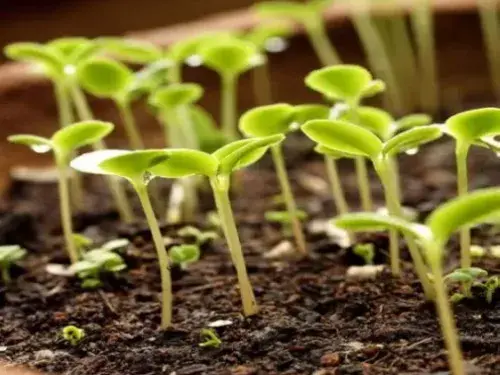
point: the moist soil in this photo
(312, 319)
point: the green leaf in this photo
(373, 88)
(239, 154)
(104, 77)
(185, 162)
(38, 54)
(376, 120)
(80, 134)
(184, 254)
(343, 136)
(267, 120)
(265, 32)
(340, 82)
(11, 253)
(68, 46)
(306, 112)
(130, 50)
(182, 50)
(81, 241)
(210, 137)
(472, 125)
(414, 120)
(464, 211)
(320, 149)
(230, 56)
(279, 9)
(412, 138)
(284, 217)
(150, 77)
(117, 244)
(38, 144)
(176, 94)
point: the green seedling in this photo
(491, 33)
(82, 243)
(96, 262)
(184, 255)
(346, 137)
(210, 338)
(477, 126)
(284, 218)
(463, 211)
(73, 334)
(200, 237)
(365, 251)
(106, 78)
(477, 251)
(9, 254)
(63, 144)
(130, 50)
(213, 220)
(218, 167)
(349, 84)
(310, 16)
(277, 119)
(465, 278)
(490, 286)
(134, 166)
(230, 57)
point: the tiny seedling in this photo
(73, 334)
(433, 236)
(365, 251)
(134, 166)
(63, 143)
(477, 126)
(200, 237)
(490, 287)
(132, 51)
(284, 218)
(9, 254)
(218, 167)
(210, 338)
(230, 57)
(465, 278)
(277, 119)
(184, 255)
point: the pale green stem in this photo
(336, 186)
(175, 73)
(220, 188)
(318, 37)
(130, 125)
(461, 152)
(161, 253)
(286, 191)
(491, 34)
(4, 268)
(262, 85)
(396, 179)
(65, 208)
(229, 106)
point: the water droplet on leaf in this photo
(41, 148)
(275, 44)
(411, 151)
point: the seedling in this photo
(200, 237)
(477, 126)
(346, 137)
(134, 166)
(365, 251)
(183, 255)
(210, 338)
(218, 167)
(272, 120)
(73, 334)
(9, 254)
(490, 286)
(433, 236)
(230, 58)
(349, 84)
(310, 16)
(284, 218)
(63, 143)
(130, 50)
(465, 278)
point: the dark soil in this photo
(312, 320)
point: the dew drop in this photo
(275, 44)
(41, 148)
(148, 176)
(194, 61)
(69, 70)
(411, 151)
(338, 110)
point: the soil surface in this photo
(312, 319)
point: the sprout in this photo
(200, 237)
(460, 212)
(310, 15)
(210, 338)
(73, 334)
(351, 139)
(491, 285)
(183, 255)
(468, 128)
(9, 254)
(285, 219)
(465, 277)
(130, 50)
(230, 58)
(218, 167)
(365, 251)
(272, 120)
(134, 166)
(63, 143)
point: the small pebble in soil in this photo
(330, 359)
(365, 272)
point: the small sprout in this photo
(412, 121)
(183, 255)
(9, 254)
(73, 334)
(491, 285)
(130, 50)
(82, 243)
(200, 237)
(213, 219)
(283, 218)
(477, 251)
(365, 251)
(118, 244)
(210, 338)
(465, 277)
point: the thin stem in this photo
(491, 34)
(262, 85)
(286, 190)
(229, 106)
(461, 152)
(318, 37)
(220, 188)
(396, 179)
(161, 253)
(130, 125)
(65, 209)
(336, 185)
(4, 269)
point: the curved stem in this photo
(229, 106)
(286, 190)
(130, 125)
(321, 44)
(161, 253)
(220, 188)
(461, 152)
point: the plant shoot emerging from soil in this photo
(210, 338)
(183, 255)
(465, 278)
(9, 254)
(200, 237)
(365, 251)
(73, 335)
